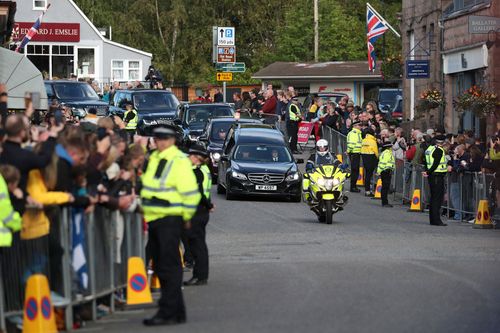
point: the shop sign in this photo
(48, 32)
(483, 24)
(417, 69)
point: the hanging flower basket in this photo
(477, 100)
(430, 99)
(392, 68)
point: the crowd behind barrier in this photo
(468, 189)
(92, 276)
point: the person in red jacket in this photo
(270, 103)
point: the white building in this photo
(68, 43)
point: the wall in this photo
(178, 91)
(456, 36)
(113, 52)
(419, 16)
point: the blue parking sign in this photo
(229, 33)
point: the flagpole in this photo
(383, 20)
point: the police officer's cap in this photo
(357, 122)
(440, 138)
(387, 144)
(295, 98)
(164, 132)
(198, 150)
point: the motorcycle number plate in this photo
(266, 187)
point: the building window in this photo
(464, 6)
(39, 4)
(117, 70)
(126, 70)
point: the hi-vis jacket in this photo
(10, 220)
(354, 141)
(169, 186)
(386, 162)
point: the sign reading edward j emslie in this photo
(48, 32)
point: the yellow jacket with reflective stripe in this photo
(10, 220)
(369, 145)
(294, 112)
(387, 161)
(354, 141)
(442, 166)
(169, 188)
(207, 180)
(132, 124)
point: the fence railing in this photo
(462, 193)
(109, 239)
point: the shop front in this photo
(70, 44)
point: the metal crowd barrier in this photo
(462, 193)
(111, 237)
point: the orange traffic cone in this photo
(361, 177)
(416, 202)
(155, 282)
(483, 218)
(38, 310)
(340, 158)
(378, 189)
(137, 283)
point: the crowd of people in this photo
(53, 160)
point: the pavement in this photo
(274, 268)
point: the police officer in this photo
(436, 168)
(386, 166)
(197, 234)
(130, 118)
(322, 156)
(292, 126)
(170, 197)
(354, 143)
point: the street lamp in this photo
(7, 11)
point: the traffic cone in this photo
(137, 283)
(483, 218)
(416, 202)
(340, 158)
(361, 177)
(155, 282)
(38, 310)
(378, 190)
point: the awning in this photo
(21, 76)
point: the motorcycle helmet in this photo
(322, 147)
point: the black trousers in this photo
(436, 185)
(164, 240)
(198, 245)
(385, 176)
(354, 158)
(188, 255)
(292, 128)
(369, 163)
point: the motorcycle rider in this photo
(322, 156)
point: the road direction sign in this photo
(237, 67)
(224, 76)
(226, 54)
(225, 36)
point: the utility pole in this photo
(316, 32)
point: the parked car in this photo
(214, 135)
(388, 98)
(256, 160)
(193, 118)
(79, 96)
(154, 107)
(325, 96)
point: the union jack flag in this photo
(376, 27)
(32, 32)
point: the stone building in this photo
(461, 39)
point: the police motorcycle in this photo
(323, 183)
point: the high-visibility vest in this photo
(429, 160)
(354, 141)
(386, 161)
(207, 180)
(169, 186)
(132, 124)
(294, 112)
(10, 220)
